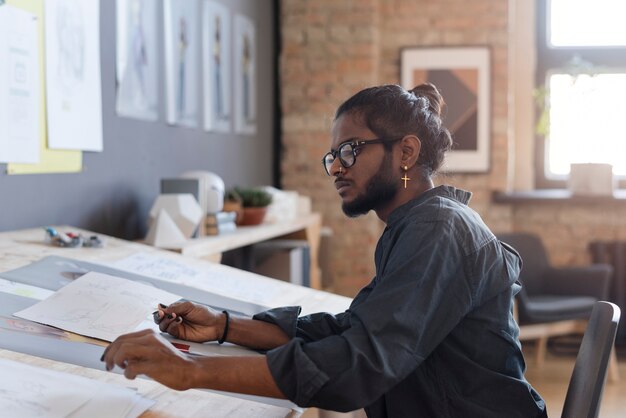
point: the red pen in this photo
(182, 347)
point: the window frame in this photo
(551, 58)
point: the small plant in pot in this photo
(255, 202)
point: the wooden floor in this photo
(551, 382)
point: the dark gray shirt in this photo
(432, 335)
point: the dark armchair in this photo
(554, 301)
(555, 293)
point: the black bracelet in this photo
(225, 334)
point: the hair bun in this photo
(430, 92)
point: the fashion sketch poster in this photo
(137, 59)
(182, 61)
(73, 90)
(245, 75)
(217, 67)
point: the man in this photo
(432, 335)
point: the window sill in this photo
(557, 196)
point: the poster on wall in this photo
(245, 75)
(462, 77)
(216, 52)
(182, 61)
(50, 161)
(19, 86)
(74, 96)
(137, 59)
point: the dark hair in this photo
(390, 111)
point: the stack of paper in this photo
(28, 391)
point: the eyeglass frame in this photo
(355, 144)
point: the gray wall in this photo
(114, 192)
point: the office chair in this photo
(584, 392)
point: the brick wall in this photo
(334, 48)
(331, 50)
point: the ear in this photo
(410, 146)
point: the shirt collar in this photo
(461, 196)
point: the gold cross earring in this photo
(405, 178)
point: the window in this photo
(581, 81)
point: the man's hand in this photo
(146, 352)
(191, 322)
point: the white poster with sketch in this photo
(137, 59)
(98, 305)
(245, 75)
(73, 91)
(182, 61)
(19, 86)
(216, 53)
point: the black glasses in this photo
(347, 152)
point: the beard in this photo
(380, 189)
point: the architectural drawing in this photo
(98, 305)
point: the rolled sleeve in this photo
(286, 318)
(297, 376)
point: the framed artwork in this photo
(182, 61)
(216, 53)
(462, 76)
(137, 61)
(245, 75)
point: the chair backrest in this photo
(587, 383)
(534, 258)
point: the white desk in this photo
(19, 248)
(169, 403)
(305, 227)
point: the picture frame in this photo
(462, 76)
(217, 67)
(182, 62)
(244, 73)
(137, 59)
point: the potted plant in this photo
(255, 202)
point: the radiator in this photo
(614, 253)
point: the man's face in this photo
(369, 184)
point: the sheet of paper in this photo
(233, 283)
(73, 94)
(19, 86)
(116, 403)
(29, 391)
(50, 161)
(98, 305)
(20, 289)
(159, 267)
(207, 279)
